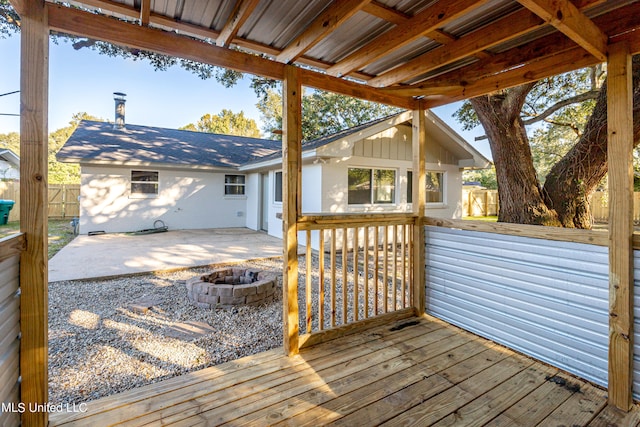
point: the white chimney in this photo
(119, 98)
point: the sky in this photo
(84, 81)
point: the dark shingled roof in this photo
(100, 142)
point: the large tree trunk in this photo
(521, 199)
(571, 182)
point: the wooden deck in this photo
(418, 372)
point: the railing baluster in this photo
(308, 283)
(356, 249)
(395, 267)
(403, 227)
(410, 272)
(376, 270)
(321, 280)
(366, 271)
(344, 276)
(385, 277)
(333, 277)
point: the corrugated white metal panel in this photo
(636, 324)
(9, 331)
(544, 298)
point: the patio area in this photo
(110, 255)
(412, 371)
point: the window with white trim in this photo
(371, 186)
(234, 185)
(144, 183)
(435, 187)
(277, 178)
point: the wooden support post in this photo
(620, 154)
(291, 161)
(34, 76)
(419, 201)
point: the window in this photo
(435, 187)
(371, 186)
(234, 185)
(144, 182)
(409, 187)
(278, 187)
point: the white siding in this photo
(544, 298)
(186, 200)
(8, 170)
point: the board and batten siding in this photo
(9, 337)
(547, 299)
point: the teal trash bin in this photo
(5, 208)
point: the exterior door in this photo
(264, 202)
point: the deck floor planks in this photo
(269, 386)
(492, 403)
(454, 398)
(536, 406)
(429, 373)
(341, 366)
(375, 376)
(146, 400)
(580, 408)
(365, 396)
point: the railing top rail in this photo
(12, 245)
(592, 237)
(316, 221)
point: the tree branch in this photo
(592, 94)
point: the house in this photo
(9, 165)
(135, 175)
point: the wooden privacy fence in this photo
(63, 199)
(479, 202)
(485, 203)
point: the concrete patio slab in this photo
(111, 255)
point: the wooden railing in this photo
(358, 268)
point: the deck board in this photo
(424, 373)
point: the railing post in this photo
(620, 154)
(34, 76)
(291, 162)
(419, 201)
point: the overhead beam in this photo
(34, 85)
(621, 281)
(420, 24)
(504, 29)
(330, 19)
(84, 24)
(386, 13)
(239, 15)
(291, 206)
(566, 17)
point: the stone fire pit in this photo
(227, 287)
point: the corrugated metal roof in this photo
(273, 25)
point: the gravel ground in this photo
(99, 345)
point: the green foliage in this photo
(11, 141)
(486, 177)
(323, 113)
(9, 19)
(65, 173)
(226, 122)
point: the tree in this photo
(226, 122)
(323, 113)
(564, 198)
